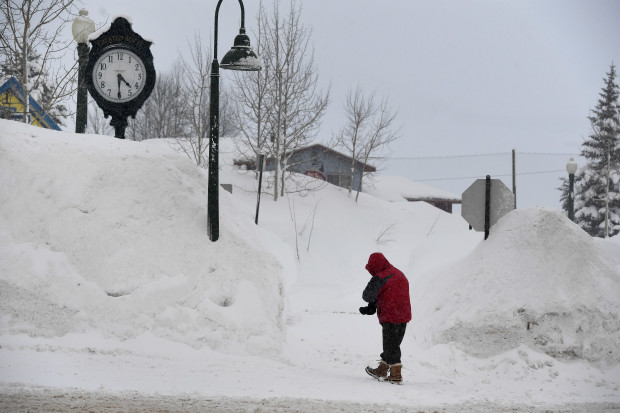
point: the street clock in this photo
(120, 75)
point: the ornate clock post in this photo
(120, 74)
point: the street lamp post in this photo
(240, 57)
(82, 27)
(571, 168)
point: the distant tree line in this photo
(597, 183)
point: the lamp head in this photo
(82, 27)
(571, 166)
(241, 56)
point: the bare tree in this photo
(283, 102)
(32, 46)
(192, 77)
(196, 71)
(167, 102)
(369, 129)
(163, 114)
(299, 105)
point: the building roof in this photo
(397, 188)
(323, 148)
(35, 109)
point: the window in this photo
(343, 181)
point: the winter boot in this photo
(380, 373)
(395, 376)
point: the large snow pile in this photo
(110, 235)
(539, 280)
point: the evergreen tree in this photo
(597, 203)
(563, 188)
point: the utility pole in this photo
(514, 175)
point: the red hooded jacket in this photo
(389, 288)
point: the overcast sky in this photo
(466, 76)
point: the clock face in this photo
(119, 75)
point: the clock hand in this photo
(119, 77)
(123, 79)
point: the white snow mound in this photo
(99, 233)
(515, 289)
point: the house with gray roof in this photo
(327, 164)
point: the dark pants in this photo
(393, 335)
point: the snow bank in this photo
(538, 280)
(109, 235)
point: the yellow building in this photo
(12, 106)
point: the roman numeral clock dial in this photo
(119, 75)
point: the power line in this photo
(549, 153)
(480, 176)
(540, 172)
(473, 155)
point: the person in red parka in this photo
(387, 294)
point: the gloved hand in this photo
(369, 310)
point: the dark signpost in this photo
(120, 75)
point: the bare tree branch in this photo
(31, 30)
(368, 131)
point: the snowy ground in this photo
(113, 299)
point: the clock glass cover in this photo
(119, 75)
